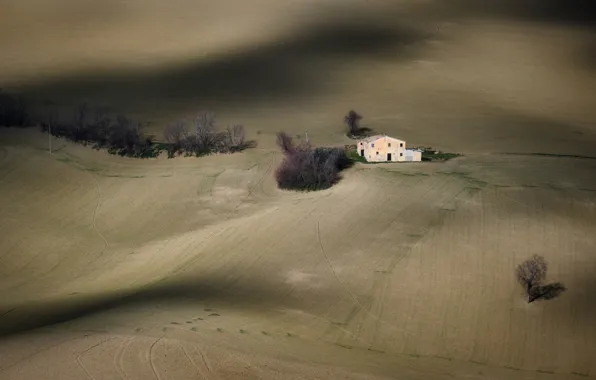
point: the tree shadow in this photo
(571, 12)
(546, 292)
(360, 133)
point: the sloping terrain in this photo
(202, 268)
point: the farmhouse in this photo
(382, 148)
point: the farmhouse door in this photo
(388, 156)
(362, 152)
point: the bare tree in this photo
(175, 133)
(100, 130)
(284, 141)
(236, 136)
(205, 133)
(352, 121)
(531, 273)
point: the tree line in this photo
(121, 135)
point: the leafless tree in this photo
(175, 133)
(100, 130)
(531, 273)
(177, 137)
(285, 142)
(236, 136)
(80, 114)
(205, 133)
(352, 121)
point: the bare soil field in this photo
(201, 268)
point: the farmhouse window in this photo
(389, 145)
(373, 145)
(401, 145)
(401, 154)
(377, 153)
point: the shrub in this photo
(119, 135)
(304, 168)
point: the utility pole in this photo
(52, 117)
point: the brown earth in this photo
(202, 268)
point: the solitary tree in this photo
(530, 275)
(352, 121)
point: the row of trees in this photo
(204, 138)
(124, 136)
(306, 168)
(116, 133)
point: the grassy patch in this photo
(552, 155)
(550, 372)
(431, 155)
(93, 170)
(414, 174)
(354, 156)
(123, 176)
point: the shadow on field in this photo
(15, 319)
(295, 67)
(572, 12)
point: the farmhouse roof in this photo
(372, 138)
(377, 137)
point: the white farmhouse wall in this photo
(382, 149)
